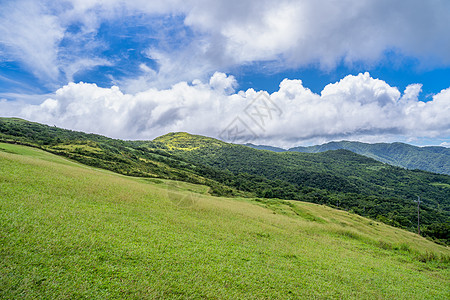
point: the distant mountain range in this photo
(432, 159)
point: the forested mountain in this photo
(432, 159)
(338, 178)
(332, 177)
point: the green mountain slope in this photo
(336, 178)
(433, 159)
(72, 231)
(124, 157)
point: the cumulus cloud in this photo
(355, 107)
(222, 82)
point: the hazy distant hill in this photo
(432, 159)
(263, 147)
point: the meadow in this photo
(72, 231)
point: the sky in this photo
(282, 73)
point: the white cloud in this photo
(220, 81)
(290, 33)
(304, 32)
(83, 64)
(357, 107)
(31, 33)
(31, 36)
(224, 34)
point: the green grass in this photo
(70, 231)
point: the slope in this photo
(339, 178)
(124, 157)
(71, 231)
(336, 178)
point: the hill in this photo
(340, 179)
(123, 157)
(72, 231)
(432, 159)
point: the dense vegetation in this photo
(124, 157)
(432, 159)
(68, 231)
(336, 178)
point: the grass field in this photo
(71, 231)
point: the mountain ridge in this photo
(428, 158)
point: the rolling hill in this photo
(340, 179)
(68, 230)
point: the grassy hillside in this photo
(124, 157)
(72, 231)
(433, 159)
(336, 178)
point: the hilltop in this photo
(72, 231)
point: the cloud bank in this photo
(163, 56)
(355, 107)
(57, 40)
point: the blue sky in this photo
(371, 71)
